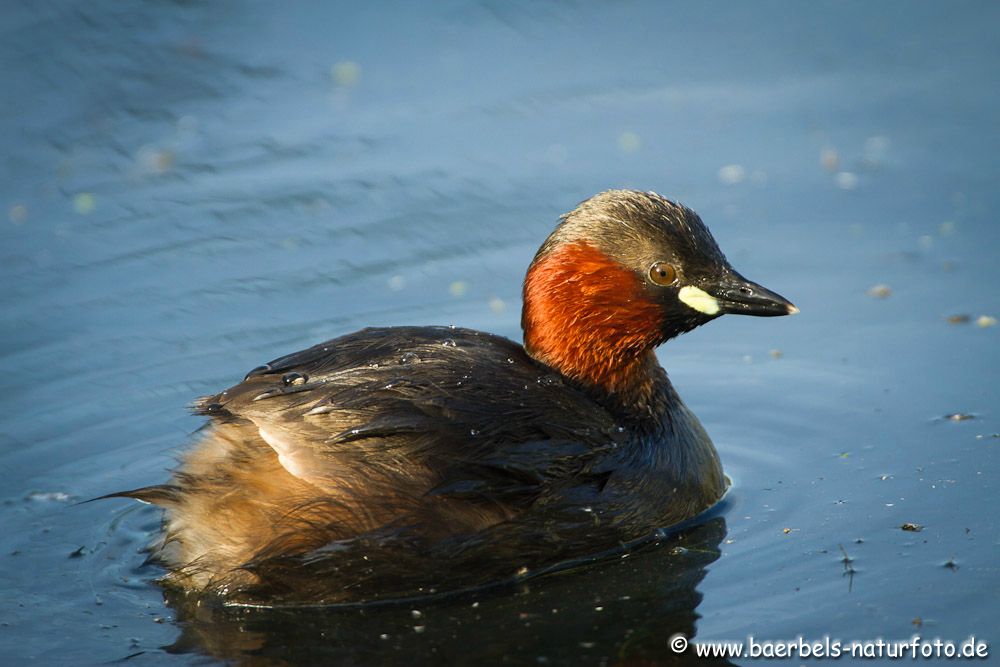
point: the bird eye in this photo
(663, 274)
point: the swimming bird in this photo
(405, 460)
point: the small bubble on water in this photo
(629, 142)
(187, 124)
(51, 496)
(345, 73)
(18, 214)
(84, 203)
(731, 174)
(876, 148)
(880, 291)
(846, 180)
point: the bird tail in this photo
(165, 495)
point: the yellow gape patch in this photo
(698, 299)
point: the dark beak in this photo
(739, 296)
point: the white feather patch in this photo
(698, 299)
(289, 456)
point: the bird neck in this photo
(589, 317)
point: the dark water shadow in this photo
(622, 610)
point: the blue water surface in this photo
(190, 189)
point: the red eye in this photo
(663, 274)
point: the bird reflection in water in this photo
(620, 610)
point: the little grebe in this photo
(407, 460)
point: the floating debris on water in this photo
(732, 174)
(991, 435)
(829, 158)
(849, 570)
(153, 160)
(846, 560)
(959, 319)
(776, 354)
(959, 417)
(912, 527)
(879, 291)
(984, 321)
(629, 142)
